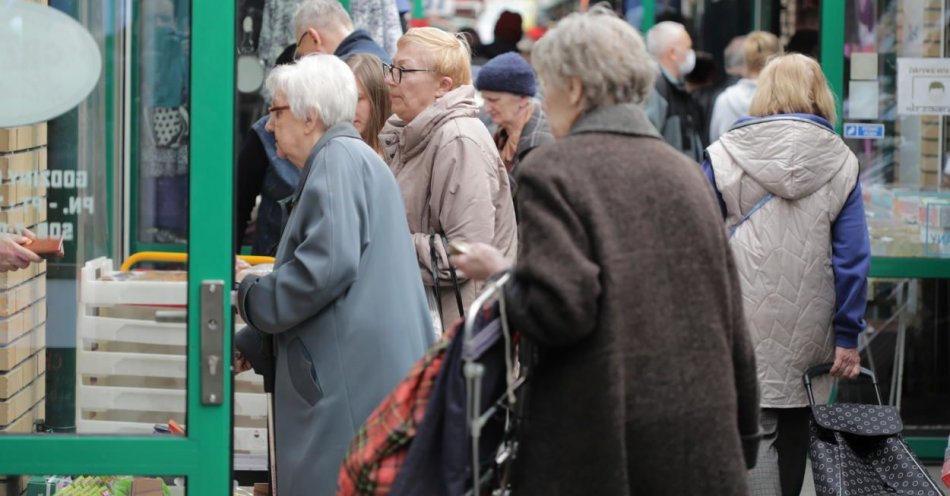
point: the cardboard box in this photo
(23, 401)
(26, 346)
(15, 380)
(142, 486)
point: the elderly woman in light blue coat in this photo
(344, 306)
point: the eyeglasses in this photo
(396, 72)
(297, 54)
(275, 111)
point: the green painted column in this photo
(649, 15)
(832, 51)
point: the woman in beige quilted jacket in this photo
(788, 190)
(453, 181)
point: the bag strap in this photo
(434, 259)
(455, 279)
(759, 204)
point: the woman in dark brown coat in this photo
(646, 379)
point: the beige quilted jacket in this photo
(783, 250)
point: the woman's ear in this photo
(314, 124)
(575, 92)
(445, 86)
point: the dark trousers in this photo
(780, 467)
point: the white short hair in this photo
(317, 86)
(662, 35)
(603, 51)
(319, 14)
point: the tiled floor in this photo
(809, 487)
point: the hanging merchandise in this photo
(250, 68)
(164, 135)
(380, 18)
(277, 30)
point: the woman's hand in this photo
(240, 363)
(13, 255)
(847, 363)
(478, 260)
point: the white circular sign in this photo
(49, 63)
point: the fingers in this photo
(26, 256)
(847, 363)
(26, 233)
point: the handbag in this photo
(436, 286)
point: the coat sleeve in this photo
(718, 123)
(325, 262)
(553, 297)
(744, 370)
(252, 165)
(851, 262)
(462, 190)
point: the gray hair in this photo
(600, 49)
(733, 54)
(662, 35)
(320, 86)
(319, 14)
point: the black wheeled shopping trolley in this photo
(858, 449)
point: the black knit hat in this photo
(507, 73)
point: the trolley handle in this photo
(825, 368)
(174, 257)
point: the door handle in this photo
(211, 322)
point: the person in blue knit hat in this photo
(508, 86)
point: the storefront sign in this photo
(923, 86)
(857, 130)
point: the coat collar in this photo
(340, 130)
(625, 118)
(537, 124)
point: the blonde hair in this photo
(758, 47)
(449, 55)
(792, 84)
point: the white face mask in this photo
(687, 65)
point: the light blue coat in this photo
(345, 306)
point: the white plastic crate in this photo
(94, 328)
(246, 439)
(94, 292)
(104, 398)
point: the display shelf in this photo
(94, 328)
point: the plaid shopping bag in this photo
(380, 447)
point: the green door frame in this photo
(204, 456)
(832, 63)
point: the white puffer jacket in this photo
(783, 251)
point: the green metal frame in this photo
(832, 51)
(649, 15)
(203, 457)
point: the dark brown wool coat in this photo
(646, 376)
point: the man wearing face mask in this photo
(674, 113)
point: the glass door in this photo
(889, 64)
(114, 369)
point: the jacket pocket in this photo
(303, 374)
